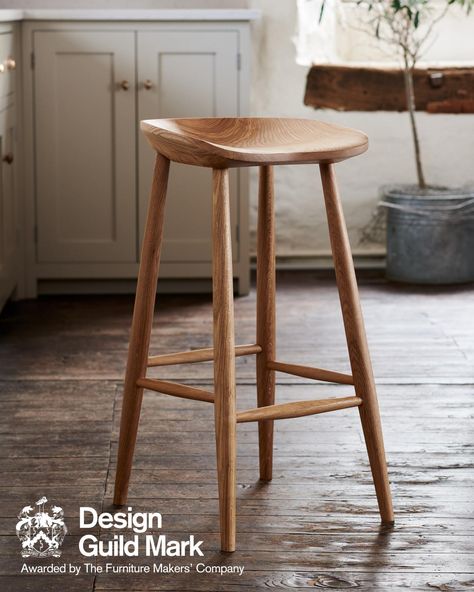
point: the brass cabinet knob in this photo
(125, 85)
(8, 158)
(10, 63)
(148, 84)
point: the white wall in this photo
(278, 89)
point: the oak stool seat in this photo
(247, 141)
(220, 144)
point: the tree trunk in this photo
(410, 95)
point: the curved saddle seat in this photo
(224, 142)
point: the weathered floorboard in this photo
(316, 524)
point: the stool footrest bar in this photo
(312, 373)
(176, 389)
(297, 409)
(199, 355)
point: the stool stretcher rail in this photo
(199, 355)
(312, 373)
(176, 389)
(297, 409)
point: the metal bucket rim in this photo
(402, 193)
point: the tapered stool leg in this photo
(224, 361)
(357, 341)
(266, 315)
(141, 328)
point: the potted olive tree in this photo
(430, 229)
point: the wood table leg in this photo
(266, 315)
(141, 328)
(224, 360)
(356, 341)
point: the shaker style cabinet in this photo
(85, 146)
(88, 87)
(9, 227)
(10, 266)
(186, 74)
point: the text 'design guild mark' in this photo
(41, 532)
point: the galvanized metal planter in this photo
(430, 234)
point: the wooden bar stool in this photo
(222, 143)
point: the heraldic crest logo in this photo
(41, 533)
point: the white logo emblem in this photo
(41, 534)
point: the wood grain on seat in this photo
(234, 142)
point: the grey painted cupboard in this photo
(87, 85)
(10, 231)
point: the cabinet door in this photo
(85, 146)
(9, 250)
(186, 74)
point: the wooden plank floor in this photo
(316, 525)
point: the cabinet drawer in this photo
(7, 64)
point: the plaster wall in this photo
(278, 88)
